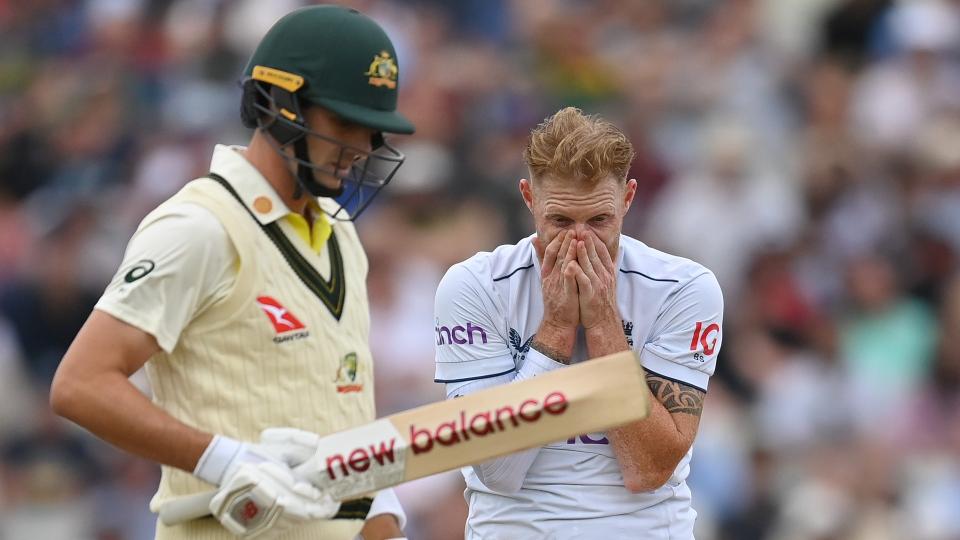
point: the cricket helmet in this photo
(339, 59)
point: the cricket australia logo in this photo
(383, 71)
(518, 349)
(346, 380)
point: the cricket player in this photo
(244, 295)
(580, 289)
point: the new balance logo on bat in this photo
(379, 453)
(360, 459)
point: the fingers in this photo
(565, 248)
(571, 279)
(287, 435)
(289, 445)
(603, 254)
(584, 283)
(550, 254)
(564, 252)
(586, 260)
(569, 248)
(325, 508)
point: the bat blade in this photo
(592, 396)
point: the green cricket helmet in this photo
(339, 59)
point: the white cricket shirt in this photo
(487, 310)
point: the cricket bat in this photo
(591, 396)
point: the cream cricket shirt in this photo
(260, 324)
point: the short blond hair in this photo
(576, 146)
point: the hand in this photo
(596, 277)
(224, 455)
(298, 449)
(290, 445)
(558, 282)
(264, 500)
(381, 527)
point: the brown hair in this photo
(572, 145)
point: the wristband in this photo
(386, 502)
(216, 459)
(536, 363)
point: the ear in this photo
(629, 193)
(526, 191)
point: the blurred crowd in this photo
(806, 151)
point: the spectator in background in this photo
(47, 305)
(896, 96)
(887, 341)
(757, 207)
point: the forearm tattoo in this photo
(676, 397)
(549, 352)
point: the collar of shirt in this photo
(315, 234)
(261, 199)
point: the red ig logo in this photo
(702, 339)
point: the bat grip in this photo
(197, 505)
(186, 508)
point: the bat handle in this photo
(197, 505)
(187, 508)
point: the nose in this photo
(361, 138)
(580, 230)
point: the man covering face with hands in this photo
(579, 289)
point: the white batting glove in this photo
(293, 446)
(264, 500)
(282, 445)
(259, 494)
(299, 448)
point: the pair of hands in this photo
(260, 494)
(579, 281)
(265, 489)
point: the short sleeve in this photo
(469, 344)
(687, 334)
(174, 267)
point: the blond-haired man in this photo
(580, 289)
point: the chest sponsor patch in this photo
(287, 326)
(460, 334)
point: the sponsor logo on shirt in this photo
(702, 339)
(140, 269)
(628, 332)
(346, 379)
(589, 438)
(285, 323)
(518, 347)
(460, 335)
